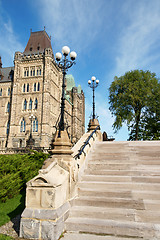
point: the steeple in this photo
(37, 42)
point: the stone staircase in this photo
(119, 192)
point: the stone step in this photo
(107, 178)
(121, 160)
(115, 228)
(123, 172)
(111, 202)
(104, 193)
(119, 193)
(87, 236)
(117, 186)
(112, 166)
(115, 213)
(103, 213)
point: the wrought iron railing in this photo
(81, 150)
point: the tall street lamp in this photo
(64, 64)
(30, 142)
(93, 83)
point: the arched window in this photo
(31, 73)
(27, 87)
(35, 125)
(23, 126)
(35, 87)
(30, 104)
(9, 90)
(34, 72)
(8, 127)
(24, 87)
(39, 71)
(8, 107)
(38, 86)
(25, 105)
(1, 92)
(36, 104)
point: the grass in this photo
(11, 208)
(5, 237)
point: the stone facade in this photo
(34, 86)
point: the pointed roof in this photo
(37, 42)
(70, 82)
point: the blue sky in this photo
(110, 37)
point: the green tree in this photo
(151, 118)
(131, 97)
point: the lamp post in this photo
(30, 142)
(64, 64)
(31, 117)
(93, 83)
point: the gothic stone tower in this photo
(36, 90)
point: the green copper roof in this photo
(79, 89)
(70, 82)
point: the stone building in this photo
(33, 87)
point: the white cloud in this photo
(139, 37)
(72, 22)
(8, 41)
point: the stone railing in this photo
(49, 195)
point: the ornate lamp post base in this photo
(62, 145)
(93, 124)
(30, 143)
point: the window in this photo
(26, 72)
(28, 87)
(9, 91)
(36, 104)
(23, 126)
(1, 92)
(39, 71)
(31, 73)
(25, 105)
(8, 107)
(8, 127)
(34, 72)
(38, 87)
(24, 87)
(35, 87)
(30, 104)
(35, 125)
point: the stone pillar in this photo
(49, 193)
